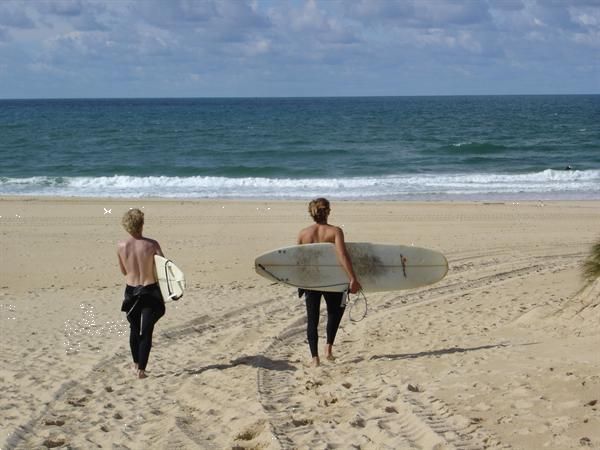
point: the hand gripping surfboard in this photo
(170, 278)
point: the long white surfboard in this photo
(170, 278)
(378, 267)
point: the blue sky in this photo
(186, 48)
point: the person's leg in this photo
(335, 312)
(313, 304)
(134, 319)
(153, 309)
(145, 345)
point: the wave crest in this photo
(547, 184)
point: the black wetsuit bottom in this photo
(144, 306)
(335, 312)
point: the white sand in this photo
(504, 352)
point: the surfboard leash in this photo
(357, 307)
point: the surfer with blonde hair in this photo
(321, 231)
(143, 300)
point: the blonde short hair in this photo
(319, 209)
(133, 221)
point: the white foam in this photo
(548, 184)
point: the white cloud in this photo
(507, 5)
(13, 15)
(236, 43)
(587, 20)
(4, 36)
(452, 13)
(64, 7)
(591, 39)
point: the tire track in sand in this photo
(73, 401)
(109, 400)
(403, 419)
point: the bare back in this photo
(323, 232)
(136, 258)
(318, 233)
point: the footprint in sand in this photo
(251, 432)
(53, 442)
(358, 422)
(301, 422)
(77, 402)
(328, 401)
(309, 385)
(54, 421)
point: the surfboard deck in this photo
(171, 279)
(378, 267)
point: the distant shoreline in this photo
(244, 201)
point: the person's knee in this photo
(147, 331)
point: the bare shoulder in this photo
(305, 231)
(337, 233)
(152, 242)
(305, 234)
(337, 230)
(156, 248)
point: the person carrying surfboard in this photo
(143, 301)
(321, 231)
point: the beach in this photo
(501, 353)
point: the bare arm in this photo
(158, 249)
(344, 259)
(123, 271)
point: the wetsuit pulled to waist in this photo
(144, 295)
(142, 290)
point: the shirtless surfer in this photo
(321, 231)
(143, 301)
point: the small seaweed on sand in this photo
(590, 269)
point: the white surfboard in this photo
(378, 267)
(171, 279)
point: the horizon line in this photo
(296, 97)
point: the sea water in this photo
(406, 148)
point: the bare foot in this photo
(134, 367)
(329, 352)
(141, 374)
(315, 362)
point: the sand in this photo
(502, 353)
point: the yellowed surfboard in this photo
(171, 279)
(379, 267)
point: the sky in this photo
(290, 48)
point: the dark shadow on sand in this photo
(445, 351)
(263, 362)
(257, 361)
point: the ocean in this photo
(362, 148)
